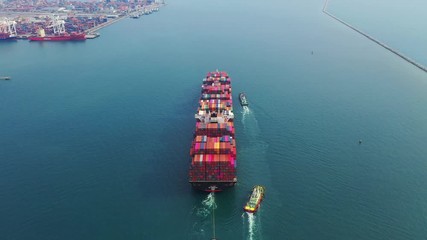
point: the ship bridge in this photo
(214, 117)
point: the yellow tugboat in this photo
(255, 200)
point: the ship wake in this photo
(252, 225)
(209, 201)
(203, 213)
(246, 111)
(208, 204)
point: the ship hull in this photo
(254, 210)
(212, 186)
(7, 37)
(78, 37)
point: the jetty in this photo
(396, 52)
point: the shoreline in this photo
(90, 32)
(108, 23)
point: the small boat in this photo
(5, 78)
(255, 199)
(243, 100)
(92, 35)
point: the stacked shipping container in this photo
(213, 150)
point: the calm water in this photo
(400, 25)
(94, 136)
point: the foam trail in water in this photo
(251, 225)
(246, 110)
(207, 205)
(203, 223)
(248, 117)
(209, 202)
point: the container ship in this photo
(213, 150)
(7, 36)
(41, 36)
(59, 33)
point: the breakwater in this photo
(401, 55)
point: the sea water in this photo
(95, 135)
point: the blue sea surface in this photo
(95, 135)
(399, 24)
